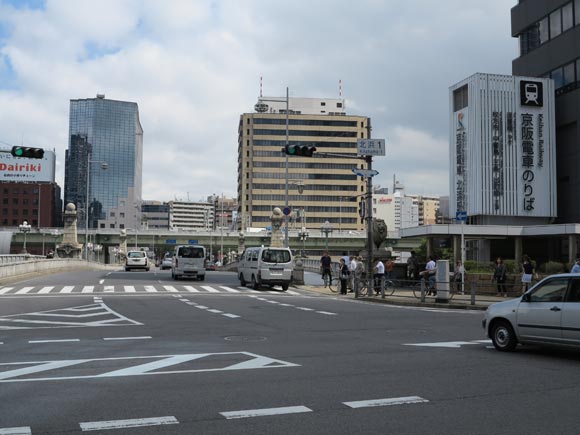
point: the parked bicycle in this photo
(363, 287)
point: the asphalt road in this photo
(138, 353)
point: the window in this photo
(551, 291)
(122, 215)
(338, 104)
(15, 201)
(557, 76)
(112, 214)
(574, 293)
(544, 30)
(102, 226)
(322, 103)
(577, 11)
(569, 74)
(5, 201)
(111, 225)
(460, 98)
(555, 23)
(567, 17)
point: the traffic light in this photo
(299, 150)
(27, 152)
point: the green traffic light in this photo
(18, 152)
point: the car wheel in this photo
(284, 287)
(255, 284)
(127, 269)
(147, 269)
(503, 336)
(242, 280)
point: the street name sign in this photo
(364, 172)
(370, 147)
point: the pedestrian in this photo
(358, 272)
(412, 266)
(430, 275)
(325, 268)
(499, 276)
(458, 275)
(379, 276)
(389, 268)
(346, 259)
(527, 273)
(576, 267)
(343, 275)
(352, 269)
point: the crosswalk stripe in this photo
(88, 289)
(5, 290)
(130, 289)
(249, 290)
(67, 289)
(150, 288)
(190, 289)
(24, 290)
(291, 292)
(170, 288)
(209, 289)
(228, 289)
(109, 289)
(44, 290)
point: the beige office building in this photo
(320, 188)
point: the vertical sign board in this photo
(535, 147)
(460, 145)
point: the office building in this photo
(502, 153)
(104, 159)
(319, 188)
(154, 215)
(548, 33)
(189, 215)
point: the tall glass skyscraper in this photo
(105, 160)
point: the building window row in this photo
(314, 220)
(282, 121)
(303, 165)
(265, 132)
(318, 145)
(324, 187)
(318, 209)
(276, 175)
(550, 26)
(567, 77)
(302, 198)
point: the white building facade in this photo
(191, 215)
(503, 150)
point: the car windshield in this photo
(190, 252)
(276, 256)
(136, 254)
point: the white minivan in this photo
(266, 266)
(188, 262)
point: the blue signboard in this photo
(170, 241)
(192, 242)
(461, 216)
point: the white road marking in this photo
(121, 424)
(145, 337)
(130, 289)
(24, 290)
(88, 289)
(229, 289)
(6, 290)
(292, 292)
(305, 309)
(250, 361)
(150, 288)
(265, 411)
(209, 289)
(448, 344)
(249, 290)
(183, 300)
(231, 316)
(45, 290)
(202, 307)
(190, 289)
(15, 431)
(215, 311)
(103, 281)
(109, 289)
(170, 288)
(287, 305)
(327, 313)
(53, 341)
(273, 302)
(67, 289)
(386, 402)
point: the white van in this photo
(189, 262)
(266, 266)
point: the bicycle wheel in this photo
(389, 287)
(362, 289)
(334, 285)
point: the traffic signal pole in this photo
(369, 219)
(286, 216)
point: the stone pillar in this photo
(123, 243)
(518, 251)
(69, 247)
(276, 236)
(572, 248)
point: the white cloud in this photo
(194, 67)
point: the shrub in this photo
(551, 267)
(511, 266)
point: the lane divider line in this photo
(385, 402)
(122, 424)
(145, 337)
(16, 431)
(264, 412)
(64, 340)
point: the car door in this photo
(539, 314)
(571, 313)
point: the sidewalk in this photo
(407, 298)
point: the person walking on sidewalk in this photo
(358, 272)
(389, 268)
(412, 266)
(458, 275)
(576, 267)
(325, 268)
(527, 273)
(352, 269)
(343, 273)
(429, 274)
(499, 275)
(379, 276)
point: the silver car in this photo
(548, 313)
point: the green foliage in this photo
(552, 267)
(472, 266)
(511, 266)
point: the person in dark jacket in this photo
(499, 276)
(343, 275)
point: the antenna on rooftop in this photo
(260, 86)
(340, 88)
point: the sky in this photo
(194, 66)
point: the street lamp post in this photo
(104, 165)
(326, 229)
(303, 234)
(24, 228)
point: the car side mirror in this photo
(526, 298)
